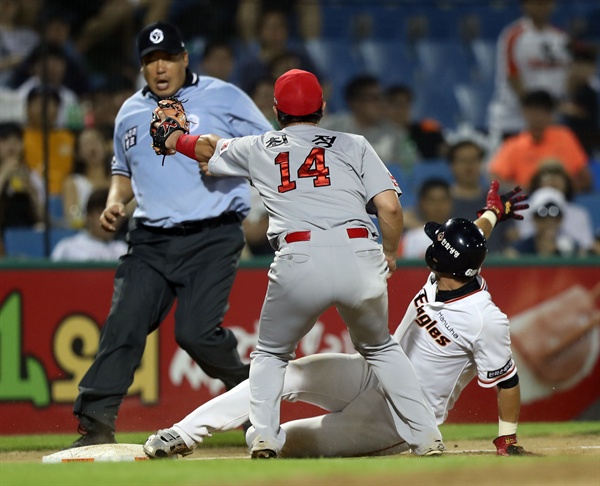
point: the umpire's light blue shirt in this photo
(176, 192)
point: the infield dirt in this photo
(579, 445)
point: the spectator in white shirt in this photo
(94, 243)
(532, 54)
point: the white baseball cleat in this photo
(263, 450)
(436, 450)
(166, 443)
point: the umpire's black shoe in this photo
(101, 435)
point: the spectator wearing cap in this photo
(547, 207)
(186, 234)
(93, 243)
(520, 156)
(576, 222)
(61, 141)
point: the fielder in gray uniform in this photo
(451, 332)
(186, 240)
(318, 187)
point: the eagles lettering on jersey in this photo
(424, 321)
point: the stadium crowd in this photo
(67, 66)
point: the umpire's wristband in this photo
(186, 145)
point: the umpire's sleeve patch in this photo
(130, 139)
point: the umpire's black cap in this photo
(160, 36)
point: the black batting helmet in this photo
(458, 248)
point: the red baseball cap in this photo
(298, 93)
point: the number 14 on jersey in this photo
(313, 167)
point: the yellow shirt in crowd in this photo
(61, 146)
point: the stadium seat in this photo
(436, 102)
(473, 100)
(23, 242)
(591, 202)
(55, 206)
(444, 62)
(438, 169)
(411, 183)
(29, 243)
(494, 16)
(484, 53)
(404, 180)
(443, 22)
(340, 61)
(388, 22)
(336, 57)
(594, 165)
(337, 20)
(391, 61)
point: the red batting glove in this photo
(504, 205)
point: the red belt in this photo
(305, 235)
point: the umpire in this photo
(186, 239)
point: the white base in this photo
(99, 453)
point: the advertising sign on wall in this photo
(50, 320)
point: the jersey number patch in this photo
(313, 167)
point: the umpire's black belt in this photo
(191, 227)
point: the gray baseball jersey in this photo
(472, 338)
(319, 183)
(309, 178)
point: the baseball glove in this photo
(175, 120)
(505, 205)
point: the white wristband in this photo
(506, 428)
(490, 216)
